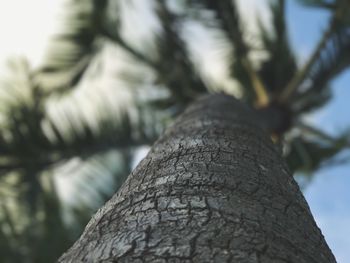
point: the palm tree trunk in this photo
(212, 189)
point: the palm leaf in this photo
(334, 59)
(328, 4)
(44, 233)
(330, 57)
(33, 136)
(176, 70)
(307, 156)
(311, 100)
(281, 65)
(34, 142)
(228, 19)
(38, 235)
(314, 148)
(72, 51)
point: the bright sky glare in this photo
(25, 27)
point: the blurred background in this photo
(87, 86)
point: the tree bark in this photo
(213, 188)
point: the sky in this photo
(328, 194)
(26, 25)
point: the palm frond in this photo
(229, 21)
(279, 68)
(32, 135)
(37, 235)
(313, 148)
(43, 142)
(307, 156)
(330, 57)
(226, 13)
(334, 59)
(177, 71)
(44, 233)
(71, 52)
(328, 4)
(37, 135)
(92, 181)
(312, 100)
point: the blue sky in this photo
(328, 194)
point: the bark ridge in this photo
(213, 188)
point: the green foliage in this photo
(280, 66)
(72, 51)
(227, 19)
(35, 225)
(330, 58)
(31, 137)
(34, 144)
(333, 60)
(176, 70)
(329, 4)
(35, 235)
(313, 149)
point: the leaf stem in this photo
(262, 97)
(299, 77)
(135, 53)
(321, 134)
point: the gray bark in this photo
(212, 189)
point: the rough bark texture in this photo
(212, 189)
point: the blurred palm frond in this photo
(227, 19)
(280, 66)
(330, 56)
(73, 50)
(176, 70)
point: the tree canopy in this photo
(117, 73)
